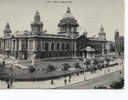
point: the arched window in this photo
(46, 46)
(23, 45)
(52, 46)
(67, 47)
(38, 45)
(30, 44)
(62, 46)
(58, 46)
(13, 44)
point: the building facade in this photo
(100, 44)
(38, 43)
(119, 42)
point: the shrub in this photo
(107, 60)
(66, 66)
(31, 69)
(77, 65)
(96, 62)
(51, 68)
(87, 62)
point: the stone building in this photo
(98, 43)
(119, 42)
(38, 43)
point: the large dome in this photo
(68, 18)
(68, 24)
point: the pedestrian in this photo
(8, 85)
(7, 81)
(70, 76)
(108, 70)
(120, 72)
(52, 82)
(65, 81)
(11, 82)
(84, 78)
(69, 80)
(78, 74)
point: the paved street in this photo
(105, 80)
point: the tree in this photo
(96, 62)
(77, 66)
(31, 70)
(3, 74)
(66, 66)
(87, 63)
(51, 68)
(108, 61)
(101, 64)
(2, 66)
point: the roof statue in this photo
(68, 14)
(101, 28)
(7, 29)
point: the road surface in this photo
(90, 84)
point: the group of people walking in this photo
(66, 79)
(69, 80)
(9, 83)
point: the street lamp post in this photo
(84, 75)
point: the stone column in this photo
(15, 45)
(19, 44)
(9, 45)
(108, 48)
(88, 54)
(34, 45)
(75, 49)
(41, 42)
(59, 29)
(44, 45)
(12, 44)
(28, 45)
(103, 49)
(77, 29)
(49, 46)
(55, 46)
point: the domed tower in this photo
(7, 30)
(85, 33)
(37, 25)
(102, 34)
(116, 35)
(68, 24)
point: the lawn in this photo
(41, 73)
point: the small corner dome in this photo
(116, 30)
(37, 19)
(101, 28)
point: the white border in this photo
(74, 94)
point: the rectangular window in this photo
(23, 45)
(13, 44)
(38, 45)
(30, 45)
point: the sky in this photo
(90, 14)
